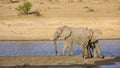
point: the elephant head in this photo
(61, 32)
(97, 34)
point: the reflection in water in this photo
(115, 65)
(17, 48)
(78, 66)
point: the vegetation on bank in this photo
(24, 9)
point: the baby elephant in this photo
(93, 43)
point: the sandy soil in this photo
(105, 16)
(53, 60)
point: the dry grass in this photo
(103, 15)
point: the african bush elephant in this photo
(79, 35)
(93, 43)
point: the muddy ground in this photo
(54, 60)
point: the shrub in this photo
(24, 8)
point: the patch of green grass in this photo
(24, 8)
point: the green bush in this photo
(24, 8)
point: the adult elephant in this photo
(79, 35)
(93, 43)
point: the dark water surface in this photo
(44, 48)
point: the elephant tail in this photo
(55, 45)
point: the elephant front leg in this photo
(64, 48)
(71, 49)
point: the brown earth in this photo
(104, 15)
(53, 60)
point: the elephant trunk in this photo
(55, 45)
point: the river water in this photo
(44, 48)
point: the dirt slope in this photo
(102, 14)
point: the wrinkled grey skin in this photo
(79, 35)
(93, 43)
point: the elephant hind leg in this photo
(89, 52)
(85, 53)
(97, 49)
(89, 49)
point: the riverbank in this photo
(43, 28)
(103, 15)
(53, 60)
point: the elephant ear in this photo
(97, 34)
(66, 32)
